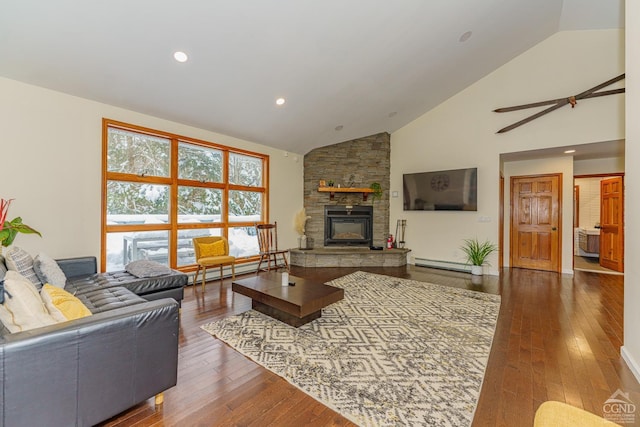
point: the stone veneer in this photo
(355, 163)
(348, 257)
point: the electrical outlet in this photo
(484, 219)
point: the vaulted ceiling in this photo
(345, 68)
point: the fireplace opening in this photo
(348, 225)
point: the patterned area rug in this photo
(393, 352)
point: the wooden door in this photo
(535, 222)
(611, 223)
(501, 224)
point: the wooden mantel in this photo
(332, 190)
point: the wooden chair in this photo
(268, 244)
(205, 260)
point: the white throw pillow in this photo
(49, 271)
(25, 309)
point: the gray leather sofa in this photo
(82, 276)
(84, 371)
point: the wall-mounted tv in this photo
(447, 190)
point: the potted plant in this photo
(477, 253)
(10, 229)
(377, 190)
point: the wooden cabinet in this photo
(589, 241)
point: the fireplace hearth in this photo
(348, 226)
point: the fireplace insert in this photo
(348, 225)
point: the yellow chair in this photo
(268, 246)
(210, 255)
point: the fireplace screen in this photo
(347, 230)
(348, 226)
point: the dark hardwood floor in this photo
(557, 338)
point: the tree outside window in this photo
(153, 209)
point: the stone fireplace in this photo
(356, 163)
(352, 165)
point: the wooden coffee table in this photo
(294, 305)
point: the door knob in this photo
(554, 228)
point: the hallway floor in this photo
(591, 264)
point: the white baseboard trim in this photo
(631, 362)
(452, 266)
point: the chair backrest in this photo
(209, 239)
(267, 236)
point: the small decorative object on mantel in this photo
(477, 253)
(299, 222)
(560, 102)
(330, 183)
(322, 183)
(10, 229)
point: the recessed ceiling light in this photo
(339, 128)
(280, 101)
(569, 151)
(180, 56)
(464, 37)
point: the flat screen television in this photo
(447, 190)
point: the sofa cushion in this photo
(20, 261)
(25, 309)
(105, 299)
(61, 303)
(48, 270)
(145, 268)
(140, 286)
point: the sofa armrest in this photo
(78, 266)
(87, 370)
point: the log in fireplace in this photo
(348, 225)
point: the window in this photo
(162, 190)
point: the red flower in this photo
(4, 210)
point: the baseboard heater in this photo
(443, 265)
(213, 273)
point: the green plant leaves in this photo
(477, 252)
(11, 229)
(377, 190)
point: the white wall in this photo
(597, 166)
(50, 162)
(461, 132)
(589, 201)
(631, 348)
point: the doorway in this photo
(598, 227)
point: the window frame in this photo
(173, 182)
